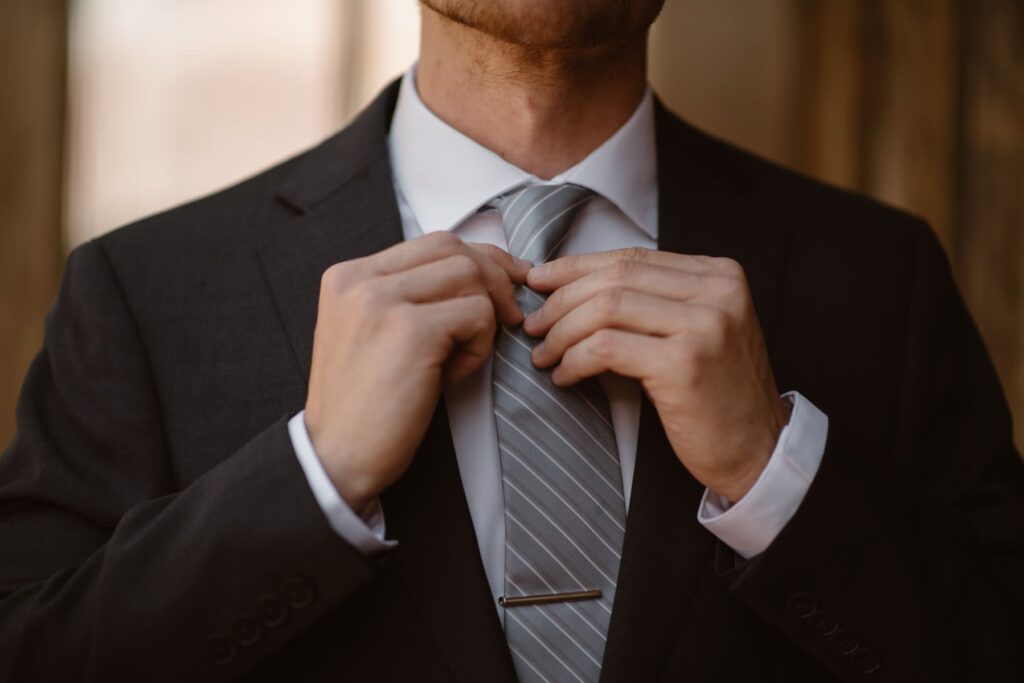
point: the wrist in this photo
(356, 489)
(740, 483)
(358, 497)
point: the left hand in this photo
(685, 327)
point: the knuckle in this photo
(489, 325)
(730, 267)
(333, 278)
(732, 288)
(462, 266)
(609, 302)
(637, 253)
(492, 252)
(443, 240)
(602, 343)
(622, 271)
(482, 312)
(363, 298)
(554, 302)
(570, 360)
(480, 306)
(715, 326)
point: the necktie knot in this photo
(537, 218)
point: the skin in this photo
(684, 326)
(522, 77)
(400, 323)
(534, 69)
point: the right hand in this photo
(392, 328)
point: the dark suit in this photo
(155, 523)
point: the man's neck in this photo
(541, 110)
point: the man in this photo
(487, 387)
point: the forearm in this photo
(199, 585)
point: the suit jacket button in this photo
(866, 660)
(245, 630)
(843, 643)
(801, 605)
(298, 592)
(271, 611)
(823, 623)
(219, 649)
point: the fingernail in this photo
(537, 350)
(540, 271)
(532, 318)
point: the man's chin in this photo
(552, 24)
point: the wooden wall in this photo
(919, 103)
(32, 54)
(988, 237)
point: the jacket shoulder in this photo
(241, 211)
(808, 208)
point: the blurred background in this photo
(115, 109)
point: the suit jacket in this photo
(155, 524)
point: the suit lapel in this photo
(704, 208)
(343, 195)
(427, 512)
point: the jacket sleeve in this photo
(109, 571)
(906, 561)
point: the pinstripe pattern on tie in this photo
(564, 508)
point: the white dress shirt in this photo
(442, 179)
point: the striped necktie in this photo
(564, 507)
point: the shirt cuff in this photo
(750, 525)
(366, 533)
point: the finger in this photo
(451, 277)
(624, 353)
(515, 267)
(411, 253)
(436, 245)
(468, 323)
(666, 282)
(554, 274)
(620, 309)
(441, 245)
(499, 285)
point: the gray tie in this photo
(564, 508)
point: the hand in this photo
(391, 329)
(685, 327)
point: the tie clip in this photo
(573, 596)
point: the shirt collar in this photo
(444, 176)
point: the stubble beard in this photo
(538, 25)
